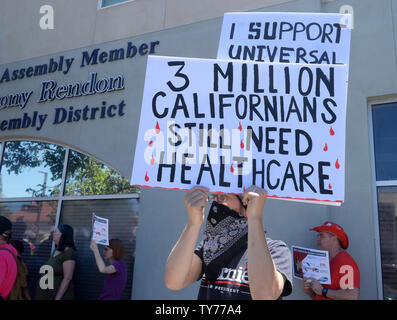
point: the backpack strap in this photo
(6, 249)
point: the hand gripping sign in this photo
(230, 124)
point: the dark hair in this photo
(18, 245)
(118, 249)
(5, 225)
(66, 237)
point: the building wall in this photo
(192, 29)
(80, 24)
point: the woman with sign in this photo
(116, 272)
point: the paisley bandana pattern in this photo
(224, 229)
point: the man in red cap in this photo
(345, 275)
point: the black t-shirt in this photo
(232, 281)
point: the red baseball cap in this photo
(335, 229)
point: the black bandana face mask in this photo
(225, 231)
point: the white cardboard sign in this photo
(307, 38)
(230, 124)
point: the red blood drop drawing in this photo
(331, 131)
(242, 144)
(151, 143)
(337, 165)
(239, 126)
(146, 177)
(329, 186)
(325, 147)
(152, 160)
(231, 169)
(157, 128)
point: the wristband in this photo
(324, 292)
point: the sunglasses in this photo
(218, 197)
(106, 248)
(7, 235)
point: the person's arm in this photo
(265, 281)
(341, 294)
(99, 261)
(183, 265)
(68, 269)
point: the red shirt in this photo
(344, 274)
(8, 270)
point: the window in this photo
(87, 176)
(385, 141)
(387, 208)
(32, 226)
(31, 169)
(107, 3)
(123, 222)
(42, 185)
(385, 154)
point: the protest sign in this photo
(100, 230)
(311, 263)
(309, 38)
(229, 124)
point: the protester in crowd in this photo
(345, 274)
(22, 291)
(19, 233)
(116, 272)
(18, 245)
(234, 248)
(62, 262)
(8, 266)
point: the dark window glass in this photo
(86, 176)
(32, 225)
(385, 140)
(31, 169)
(106, 3)
(123, 222)
(387, 208)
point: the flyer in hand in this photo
(100, 230)
(311, 263)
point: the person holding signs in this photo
(345, 274)
(116, 272)
(234, 248)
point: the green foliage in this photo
(96, 178)
(19, 155)
(85, 176)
